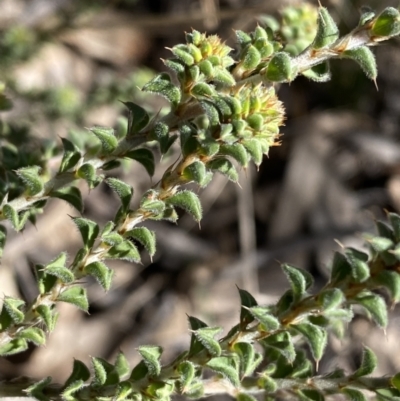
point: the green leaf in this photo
(299, 279)
(11, 215)
(101, 272)
(315, 336)
(225, 167)
(254, 149)
(160, 133)
(236, 151)
(376, 306)
(104, 373)
(359, 266)
(183, 53)
(107, 138)
(319, 73)
(310, 395)
(71, 195)
(268, 384)
(211, 111)
(163, 86)
(387, 23)
(89, 230)
(13, 308)
(122, 366)
(279, 68)
(3, 239)
(364, 57)
(283, 344)
(391, 281)
(48, 315)
(61, 272)
(249, 359)
(226, 367)
(112, 239)
(264, 316)
(88, 172)
(76, 296)
(107, 228)
(124, 251)
(331, 298)
(247, 301)
(201, 90)
(124, 392)
(250, 58)
(223, 77)
(195, 345)
(354, 395)
(71, 156)
(196, 172)
(196, 390)
(138, 118)
(368, 364)
(139, 372)
(175, 65)
(71, 389)
(79, 372)
(395, 223)
(124, 191)
(145, 157)
(206, 337)
(395, 381)
(36, 389)
(341, 268)
(151, 355)
(146, 237)
(327, 31)
(31, 179)
(33, 334)
(188, 201)
(187, 372)
(15, 346)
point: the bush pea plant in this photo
(224, 113)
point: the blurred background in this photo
(67, 65)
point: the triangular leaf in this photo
(246, 301)
(227, 368)
(138, 118)
(146, 237)
(107, 138)
(123, 190)
(225, 167)
(71, 195)
(206, 336)
(264, 316)
(316, 337)
(101, 272)
(79, 372)
(368, 364)
(145, 157)
(299, 279)
(31, 179)
(71, 156)
(76, 296)
(151, 355)
(89, 230)
(376, 306)
(188, 201)
(33, 334)
(49, 316)
(163, 86)
(15, 346)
